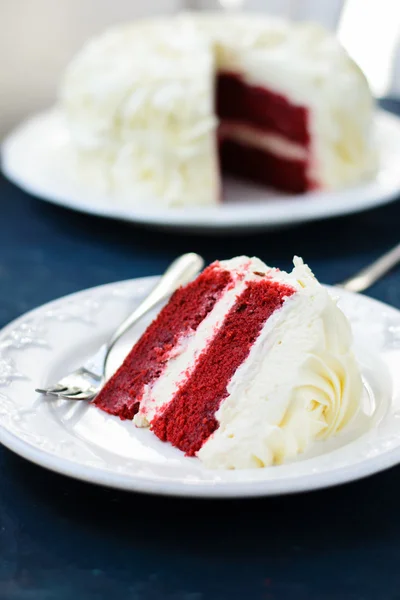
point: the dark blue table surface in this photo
(62, 539)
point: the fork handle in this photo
(370, 274)
(180, 272)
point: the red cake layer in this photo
(261, 107)
(189, 420)
(261, 166)
(181, 316)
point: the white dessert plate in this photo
(79, 440)
(36, 157)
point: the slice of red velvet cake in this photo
(244, 367)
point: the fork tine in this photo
(72, 391)
(80, 395)
(55, 389)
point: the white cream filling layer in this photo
(183, 359)
(271, 142)
(299, 383)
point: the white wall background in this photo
(38, 37)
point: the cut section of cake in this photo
(157, 108)
(244, 367)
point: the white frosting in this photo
(271, 142)
(299, 383)
(139, 102)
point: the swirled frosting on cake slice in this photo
(245, 367)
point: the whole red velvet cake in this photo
(157, 109)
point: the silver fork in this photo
(370, 274)
(85, 383)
